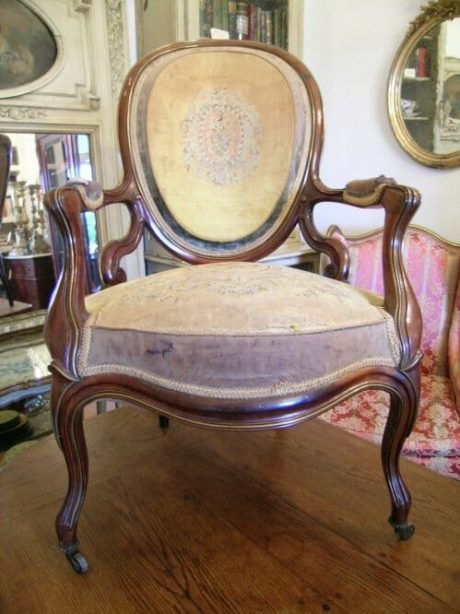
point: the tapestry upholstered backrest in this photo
(231, 128)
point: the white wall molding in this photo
(18, 113)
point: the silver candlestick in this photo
(21, 225)
(38, 241)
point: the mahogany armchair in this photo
(221, 143)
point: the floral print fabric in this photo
(433, 268)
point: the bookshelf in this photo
(261, 21)
(272, 21)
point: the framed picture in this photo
(28, 49)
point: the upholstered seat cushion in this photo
(235, 330)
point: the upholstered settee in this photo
(433, 266)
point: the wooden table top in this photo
(203, 521)
(10, 310)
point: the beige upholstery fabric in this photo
(234, 330)
(210, 144)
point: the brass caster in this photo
(404, 531)
(164, 422)
(76, 559)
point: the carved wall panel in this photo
(70, 83)
(79, 94)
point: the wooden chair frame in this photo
(67, 316)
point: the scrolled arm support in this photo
(113, 252)
(399, 203)
(67, 313)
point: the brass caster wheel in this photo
(404, 531)
(164, 422)
(76, 559)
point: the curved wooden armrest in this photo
(359, 193)
(91, 193)
(67, 313)
(113, 252)
(366, 189)
(400, 203)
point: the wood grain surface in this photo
(204, 521)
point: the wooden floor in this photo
(204, 521)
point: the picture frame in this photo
(28, 48)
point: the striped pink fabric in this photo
(434, 272)
(433, 268)
(454, 349)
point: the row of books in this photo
(245, 21)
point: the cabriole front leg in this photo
(68, 427)
(401, 418)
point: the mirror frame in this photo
(431, 15)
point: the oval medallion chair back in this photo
(220, 143)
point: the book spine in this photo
(204, 26)
(284, 29)
(210, 15)
(259, 25)
(217, 14)
(251, 10)
(263, 26)
(225, 15)
(277, 28)
(268, 27)
(242, 20)
(422, 65)
(232, 18)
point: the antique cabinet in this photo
(32, 278)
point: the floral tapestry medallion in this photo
(221, 137)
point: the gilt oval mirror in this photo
(424, 87)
